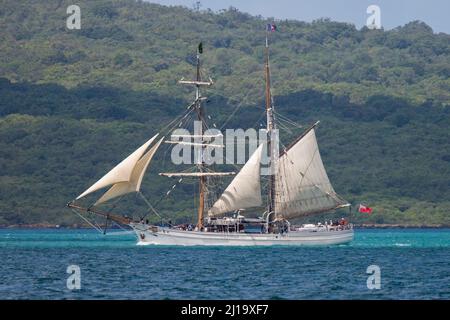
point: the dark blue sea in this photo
(413, 264)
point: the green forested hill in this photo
(75, 102)
(142, 46)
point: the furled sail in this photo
(302, 185)
(134, 184)
(196, 174)
(122, 172)
(245, 189)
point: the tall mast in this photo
(201, 117)
(201, 164)
(270, 128)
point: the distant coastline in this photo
(401, 226)
(358, 226)
(45, 226)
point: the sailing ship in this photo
(298, 186)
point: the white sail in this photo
(120, 173)
(134, 184)
(245, 189)
(302, 185)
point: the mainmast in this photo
(270, 126)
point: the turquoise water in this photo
(414, 264)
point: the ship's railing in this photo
(321, 227)
(340, 227)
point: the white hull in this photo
(166, 236)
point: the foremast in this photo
(198, 83)
(201, 164)
(270, 129)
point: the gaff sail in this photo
(302, 185)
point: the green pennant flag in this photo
(200, 48)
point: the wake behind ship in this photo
(297, 186)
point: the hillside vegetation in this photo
(75, 102)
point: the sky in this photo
(394, 13)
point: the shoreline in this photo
(48, 226)
(356, 226)
(401, 226)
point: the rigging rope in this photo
(236, 109)
(88, 222)
(286, 119)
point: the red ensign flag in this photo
(364, 209)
